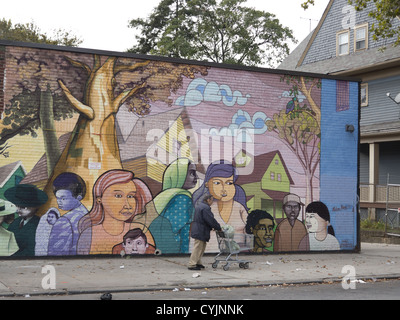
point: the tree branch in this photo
(79, 64)
(123, 96)
(122, 68)
(79, 106)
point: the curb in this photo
(171, 287)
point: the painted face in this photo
(292, 210)
(222, 189)
(119, 200)
(191, 178)
(135, 246)
(26, 212)
(51, 218)
(315, 223)
(66, 201)
(264, 233)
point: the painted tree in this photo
(93, 148)
(299, 127)
(34, 100)
(35, 104)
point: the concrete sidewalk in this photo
(99, 275)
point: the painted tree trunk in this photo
(46, 115)
(92, 148)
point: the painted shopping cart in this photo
(230, 247)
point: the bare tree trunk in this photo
(49, 133)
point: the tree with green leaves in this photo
(385, 12)
(222, 31)
(30, 32)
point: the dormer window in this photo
(342, 43)
(361, 37)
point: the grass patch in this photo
(372, 225)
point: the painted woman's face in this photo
(191, 178)
(222, 189)
(315, 223)
(51, 218)
(119, 200)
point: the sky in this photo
(103, 25)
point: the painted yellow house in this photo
(156, 141)
(267, 185)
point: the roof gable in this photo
(317, 53)
(261, 163)
(7, 171)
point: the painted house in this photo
(11, 175)
(154, 142)
(342, 44)
(266, 188)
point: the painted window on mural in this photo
(342, 96)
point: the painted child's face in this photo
(315, 223)
(135, 246)
(66, 201)
(222, 189)
(119, 200)
(264, 233)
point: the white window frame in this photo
(361, 26)
(338, 45)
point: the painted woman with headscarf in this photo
(175, 207)
(229, 205)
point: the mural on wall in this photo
(121, 150)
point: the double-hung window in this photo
(343, 43)
(361, 37)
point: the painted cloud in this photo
(199, 90)
(243, 126)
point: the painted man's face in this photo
(222, 189)
(292, 210)
(66, 201)
(264, 233)
(119, 200)
(26, 212)
(135, 246)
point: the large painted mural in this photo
(112, 154)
